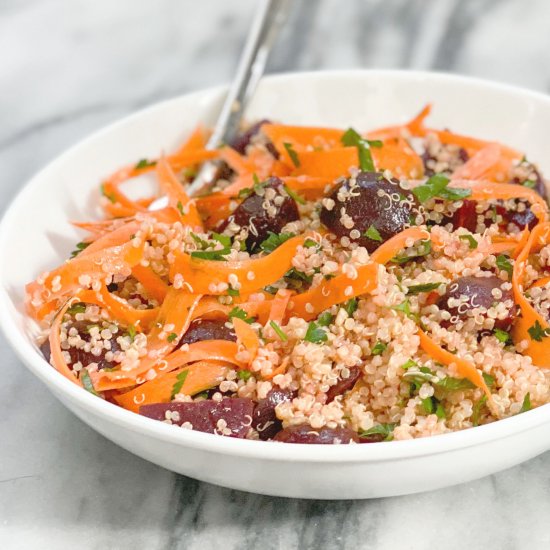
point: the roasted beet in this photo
(533, 176)
(208, 329)
(478, 293)
(79, 355)
(344, 384)
(519, 218)
(322, 436)
(252, 212)
(465, 216)
(375, 204)
(264, 419)
(242, 141)
(231, 416)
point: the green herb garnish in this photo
(381, 432)
(243, 375)
(87, 382)
(325, 319)
(292, 194)
(501, 335)
(352, 138)
(423, 250)
(131, 332)
(373, 234)
(476, 410)
(79, 248)
(171, 337)
(292, 154)
(351, 306)
(233, 292)
(427, 287)
(215, 255)
(537, 333)
(310, 243)
(405, 307)
(144, 163)
(241, 314)
(180, 208)
(279, 331)
(176, 388)
(472, 243)
(526, 405)
(379, 348)
(505, 264)
(273, 241)
(530, 184)
(79, 307)
(437, 187)
(315, 334)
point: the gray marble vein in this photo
(68, 67)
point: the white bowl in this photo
(35, 235)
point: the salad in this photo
(332, 286)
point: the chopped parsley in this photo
(79, 307)
(504, 263)
(310, 243)
(244, 375)
(440, 410)
(351, 306)
(144, 163)
(241, 314)
(437, 187)
(171, 337)
(292, 154)
(427, 287)
(423, 250)
(224, 240)
(279, 331)
(526, 405)
(352, 138)
(87, 382)
(373, 234)
(501, 335)
(131, 330)
(79, 248)
(428, 404)
(180, 380)
(476, 410)
(380, 432)
(315, 334)
(537, 333)
(379, 348)
(325, 319)
(233, 292)
(530, 184)
(449, 383)
(408, 364)
(273, 241)
(292, 194)
(405, 307)
(180, 208)
(472, 243)
(216, 255)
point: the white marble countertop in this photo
(68, 67)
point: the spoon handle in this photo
(267, 22)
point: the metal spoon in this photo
(268, 20)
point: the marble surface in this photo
(68, 67)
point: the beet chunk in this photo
(478, 291)
(79, 355)
(323, 436)
(369, 204)
(207, 329)
(252, 214)
(344, 384)
(205, 416)
(264, 419)
(241, 141)
(535, 176)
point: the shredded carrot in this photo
(530, 318)
(57, 359)
(153, 284)
(197, 377)
(206, 276)
(247, 337)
